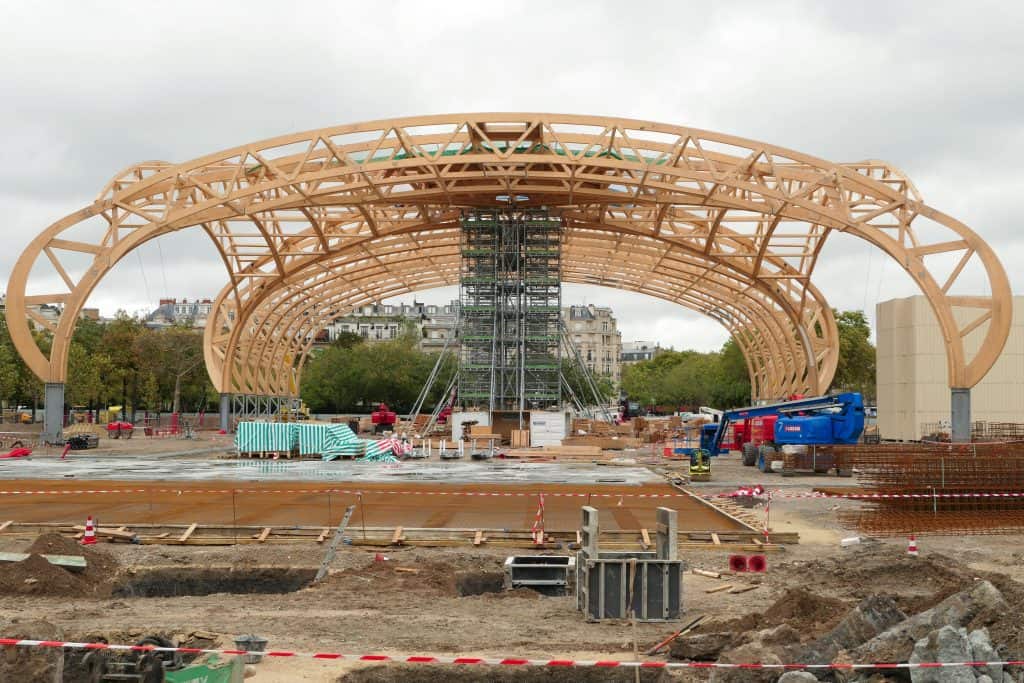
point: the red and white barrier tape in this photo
(521, 494)
(502, 661)
(778, 493)
(774, 493)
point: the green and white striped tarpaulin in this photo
(379, 451)
(330, 441)
(313, 437)
(341, 442)
(262, 437)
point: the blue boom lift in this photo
(818, 421)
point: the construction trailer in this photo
(510, 307)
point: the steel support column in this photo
(53, 415)
(225, 412)
(960, 415)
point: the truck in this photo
(811, 422)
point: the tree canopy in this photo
(117, 361)
(352, 375)
(690, 379)
(856, 368)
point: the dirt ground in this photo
(369, 605)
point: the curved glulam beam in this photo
(287, 318)
(753, 214)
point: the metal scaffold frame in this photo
(257, 406)
(510, 301)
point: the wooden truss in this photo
(311, 225)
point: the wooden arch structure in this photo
(313, 224)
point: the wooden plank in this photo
(646, 542)
(478, 538)
(397, 538)
(704, 572)
(743, 589)
(107, 532)
(263, 534)
(6, 524)
(407, 570)
(188, 532)
(323, 535)
(756, 540)
(717, 589)
(715, 539)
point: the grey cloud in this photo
(931, 87)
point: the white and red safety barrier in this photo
(504, 661)
(537, 530)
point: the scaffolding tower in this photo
(510, 302)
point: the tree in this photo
(346, 340)
(175, 357)
(355, 375)
(856, 368)
(690, 379)
(732, 389)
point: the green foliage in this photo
(354, 377)
(690, 378)
(856, 368)
(346, 340)
(113, 362)
(174, 356)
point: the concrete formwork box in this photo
(616, 585)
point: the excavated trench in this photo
(171, 582)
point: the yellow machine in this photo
(295, 414)
(700, 465)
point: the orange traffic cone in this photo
(912, 546)
(89, 538)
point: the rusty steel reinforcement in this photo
(918, 486)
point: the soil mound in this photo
(421, 578)
(32, 663)
(478, 583)
(36, 576)
(805, 611)
(99, 566)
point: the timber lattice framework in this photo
(313, 224)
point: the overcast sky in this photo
(935, 88)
